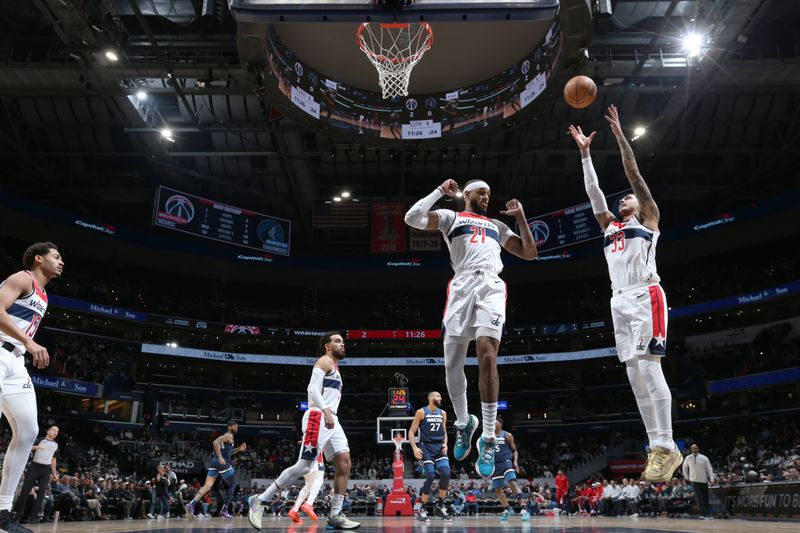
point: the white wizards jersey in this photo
(331, 391)
(26, 312)
(630, 250)
(474, 241)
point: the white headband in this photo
(480, 184)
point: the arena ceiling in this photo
(719, 130)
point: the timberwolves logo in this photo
(270, 231)
(298, 69)
(411, 104)
(526, 67)
(242, 330)
(180, 209)
(540, 231)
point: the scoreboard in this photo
(398, 400)
(394, 334)
(568, 226)
(187, 213)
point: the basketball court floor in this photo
(459, 525)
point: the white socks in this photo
(269, 493)
(489, 412)
(455, 355)
(336, 504)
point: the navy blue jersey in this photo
(502, 451)
(226, 451)
(431, 429)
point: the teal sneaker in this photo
(505, 515)
(525, 516)
(484, 466)
(464, 439)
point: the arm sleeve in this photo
(315, 387)
(417, 215)
(596, 196)
(505, 232)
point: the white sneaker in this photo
(150, 516)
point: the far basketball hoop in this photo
(394, 49)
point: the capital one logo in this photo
(181, 208)
(540, 231)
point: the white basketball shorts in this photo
(639, 314)
(317, 438)
(475, 300)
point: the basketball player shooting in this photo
(638, 303)
(321, 433)
(476, 301)
(23, 302)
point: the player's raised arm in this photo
(412, 433)
(420, 215)
(523, 245)
(590, 183)
(647, 206)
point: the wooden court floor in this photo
(561, 524)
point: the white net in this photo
(394, 49)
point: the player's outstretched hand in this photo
(417, 453)
(444, 449)
(513, 208)
(613, 120)
(38, 353)
(243, 446)
(449, 188)
(581, 140)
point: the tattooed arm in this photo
(647, 206)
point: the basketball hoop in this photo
(394, 49)
(398, 442)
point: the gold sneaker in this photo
(649, 461)
(663, 464)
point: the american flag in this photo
(341, 215)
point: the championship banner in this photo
(388, 228)
(761, 499)
(424, 241)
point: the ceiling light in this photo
(459, 194)
(111, 55)
(337, 198)
(345, 194)
(166, 133)
(356, 200)
(693, 44)
(639, 131)
(141, 95)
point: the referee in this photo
(41, 470)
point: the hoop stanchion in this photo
(398, 503)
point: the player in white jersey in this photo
(476, 301)
(23, 302)
(321, 433)
(638, 303)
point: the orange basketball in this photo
(580, 92)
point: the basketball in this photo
(580, 92)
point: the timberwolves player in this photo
(476, 301)
(638, 303)
(321, 433)
(431, 422)
(308, 494)
(23, 302)
(505, 470)
(221, 465)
